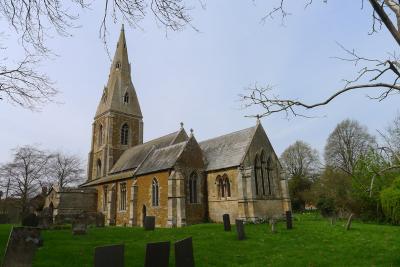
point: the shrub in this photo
(390, 201)
(326, 206)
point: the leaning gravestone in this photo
(240, 229)
(157, 254)
(227, 222)
(348, 224)
(184, 253)
(289, 221)
(149, 223)
(30, 220)
(109, 256)
(21, 247)
(79, 225)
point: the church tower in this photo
(118, 123)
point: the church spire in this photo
(119, 94)
(121, 61)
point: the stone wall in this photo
(144, 198)
(219, 206)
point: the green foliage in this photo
(297, 186)
(332, 192)
(390, 199)
(367, 183)
(326, 206)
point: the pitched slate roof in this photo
(161, 159)
(227, 150)
(134, 156)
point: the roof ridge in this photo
(228, 134)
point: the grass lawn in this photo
(312, 242)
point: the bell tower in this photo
(118, 123)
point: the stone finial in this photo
(191, 132)
(181, 125)
(258, 118)
(122, 27)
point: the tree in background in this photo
(346, 144)
(65, 170)
(299, 159)
(301, 165)
(331, 193)
(25, 174)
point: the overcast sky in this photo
(196, 77)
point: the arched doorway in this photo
(143, 213)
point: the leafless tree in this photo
(35, 21)
(346, 144)
(25, 173)
(65, 170)
(379, 74)
(300, 160)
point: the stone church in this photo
(175, 178)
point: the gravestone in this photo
(289, 222)
(184, 253)
(227, 222)
(21, 247)
(100, 219)
(149, 223)
(157, 254)
(109, 256)
(240, 229)
(79, 225)
(30, 220)
(45, 219)
(272, 223)
(348, 224)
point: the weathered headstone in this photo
(157, 254)
(227, 222)
(149, 223)
(272, 223)
(240, 229)
(21, 247)
(45, 219)
(79, 225)
(184, 253)
(109, 256)
(289, 221)
(348, 224)
(333, 220)
(30, 220)
(100, 219)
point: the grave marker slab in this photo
(184, 253)
(289, 222)
(149, 223)
(30, 220)
(21, 247)
(157, 254)
(227, 222)
(272, 222)
(79, 225)
(100, 219)
(240, 229)
(109, 256)
(348, 224)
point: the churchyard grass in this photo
(312, 242)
